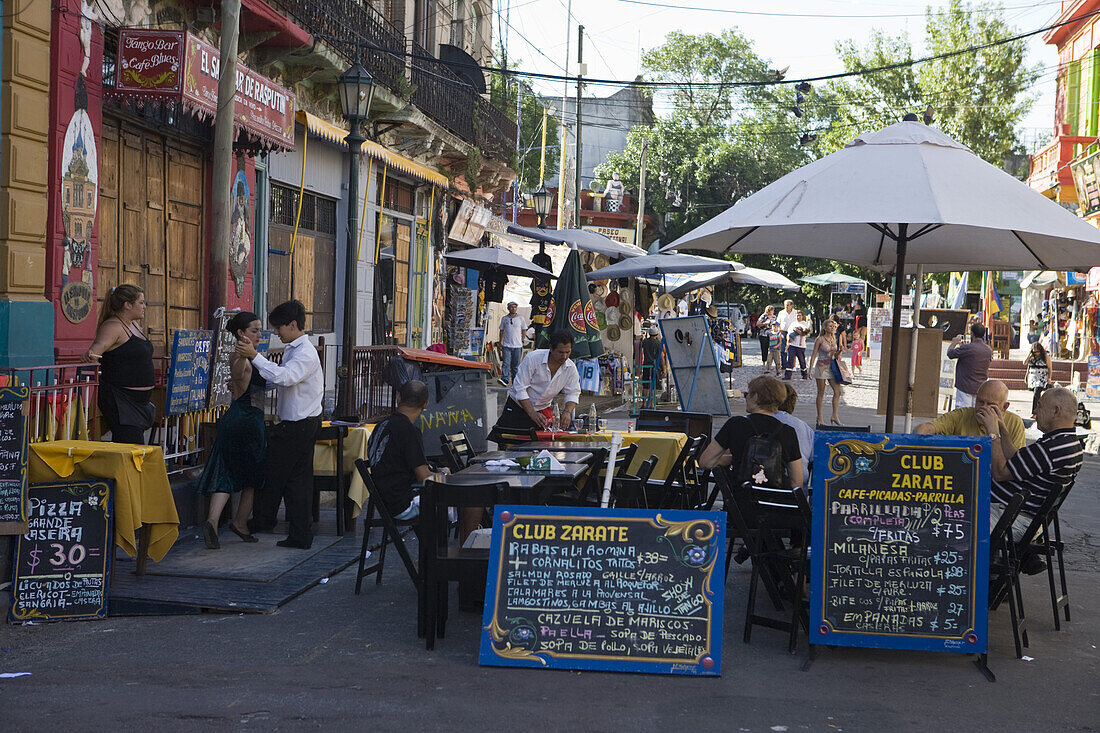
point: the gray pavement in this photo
(336, 661)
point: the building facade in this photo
(126, 141)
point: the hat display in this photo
(623, 281)
(600, 261)
(613, 333)
(601, 320)
(612, 299)
(626, 323)
(601, 290)
(625, 308)
(712, 312)
(666, 302)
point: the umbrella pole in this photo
(913, 343)
(895, 331)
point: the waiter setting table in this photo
(542, 375)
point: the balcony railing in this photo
(444, 97)
(1044, 161)
(355, 30)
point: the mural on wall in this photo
(79, 191)
(240, 241)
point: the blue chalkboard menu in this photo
(63, 560)
(609, 589)
(189, 371)
(13, 459)
(900, 553)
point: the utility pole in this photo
(580, 86)
(542, 155)
(223, 155)
(519, 116)
(564, 99)
(640, 225)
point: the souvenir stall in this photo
(613, 303)
(1060, 303)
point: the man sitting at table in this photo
(542, 375)
(395, 451)
(1045, 466)
(964, 421)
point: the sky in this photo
(801, 34)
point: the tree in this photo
(977, 97)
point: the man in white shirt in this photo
(785, 318)
(300, 384)
(543, 374)
(796, 345)
(512, 327)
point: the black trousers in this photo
(288, 479)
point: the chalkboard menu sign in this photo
(189, 371)
(13, 459)
(608, 589)
(900, 542)
(225, 345)
(62, 562)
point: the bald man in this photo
(1042, 468)
(964, 421)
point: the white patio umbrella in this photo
(582, 239)
(678, 285)
(663, 264)
(907, 194)
(831, 278)
(486, 258)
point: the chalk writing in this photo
(901, 542)
(608, 589)
(13, 454)
(189, 371)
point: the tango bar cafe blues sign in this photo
(177, 65)
(624, 589)
(901, 542)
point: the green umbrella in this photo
(573, 312)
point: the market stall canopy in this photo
(663, 264)
(485, 258)
(939, 205)
(1039, 279)
(831, 278)
(582, 239)
(678, 285)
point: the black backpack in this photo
(763, 463)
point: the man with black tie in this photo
(300, 384)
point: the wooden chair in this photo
(390, 532)
(682, 488)
(592, 490)
(1000, 337)
(443, 559)
(337, 483)
(457, 451)
(1004, 571)
(779, 513)
(588, 485)
(506, 438)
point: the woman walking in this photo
(1037, 371)
(763, 333)
(826, 348)
(236, 461)
(126, 373)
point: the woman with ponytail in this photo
(125, 356)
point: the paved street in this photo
(331, 660)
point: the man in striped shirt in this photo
(1042, 468)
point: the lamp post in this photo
(543, 201)
(356, 88)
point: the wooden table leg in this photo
(144, 535)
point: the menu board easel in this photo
(627, 590)
(901, 543)
(13, 460)
(63, 561)
(189, 371)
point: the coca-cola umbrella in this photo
(573, 312)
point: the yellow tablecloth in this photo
(142, 493)
(666, 446)
(355, 446)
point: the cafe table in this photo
(666, 446)
(146, 522)
(518, 452)
(355, 446)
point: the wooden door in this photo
(185, 237)
(107, 212)
(324, 282)
(302, 281)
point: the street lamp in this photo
(543, 201)
(356, 88)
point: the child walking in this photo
(774, 355)
(857, 355)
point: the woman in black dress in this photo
(236, 461)
(125, 357)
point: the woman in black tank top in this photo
(126, 374)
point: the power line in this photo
(838, 16)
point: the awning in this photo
(335, 135)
